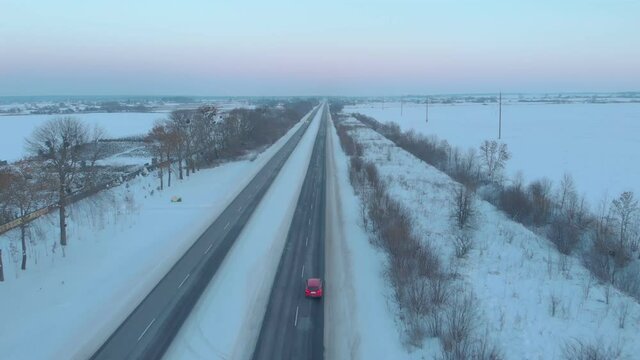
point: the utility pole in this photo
(427, 120)
(500, 117)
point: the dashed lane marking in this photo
(209, 248)
(148, 326)
(183, 280)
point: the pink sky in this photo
(358, 47)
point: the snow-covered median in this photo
(359, 320)
(118, 250)
(226, 321)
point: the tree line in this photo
(189, 139)
(607, 240)
(63, 153)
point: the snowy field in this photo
(14, 129)
(514, 274)
(599, 144)
(118, 250)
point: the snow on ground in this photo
(14, 129)
(598, 144)
(359, 319)
(118, 250)
(125, 158)
(226, 321)
(513, 273)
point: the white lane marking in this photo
(307, 241)
(295, 323)
(209, 248)
(146, 329)
(240, 209)
(185, 279)
(302, 272)
(309, 221)
(226, 226)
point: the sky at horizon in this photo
(349, 47)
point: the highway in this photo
(148, 331)
(293, 325)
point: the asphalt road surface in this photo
(149, 329)
(293, 326)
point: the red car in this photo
(314, 288)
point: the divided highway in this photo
(293, 326)
(149, 329)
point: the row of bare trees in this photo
(608, 241)
(63, 153)
(173, 140)
(425, 293)
(190, 139)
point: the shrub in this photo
(578, 350)
(515, 202)
(462, 207)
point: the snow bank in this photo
(226, 321)
(514, 274)
(118, 250)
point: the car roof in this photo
(314, 282)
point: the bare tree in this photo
(463, 243)
(6, 177)
(163, 142)
(206, 134)
(25, 194)
(95, 152)
(540, 192)
(624, 208)
(58, 143)
(179, 127)
(462, 206)
(622, 312)
(460, 321)
(494, 156)
(172, 143)
(567, 191)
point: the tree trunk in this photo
(63, 220)
(23, 237)
(63, 225)
(180, 168)
(169, 174)
(1, 268)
